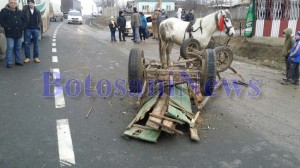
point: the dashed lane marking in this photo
(59, 97)
(56, 73)
(54, 59)
(65, 146)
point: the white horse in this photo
(173, 31)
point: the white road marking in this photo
(65, 146)
(54, 34)
(54, 59)
(53, 44)
(59, 97)
(54, 40)
(53, 49)
(54, 37)
(56, 73)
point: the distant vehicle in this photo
(95, 13)
(129, 29)
(74, 17)
(67, 5)
(57, 16)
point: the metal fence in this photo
(277, 10)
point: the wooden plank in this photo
(167, 118)
(181, 98)
(194, 120)
(143, 110)
(159, 109)
(142, 133)
(170, 128)
(194, 134)
(168, 124)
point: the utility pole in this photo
(159, 4)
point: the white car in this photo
(74, 17)
(128, 28)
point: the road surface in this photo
(38, 131)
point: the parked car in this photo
(129, 29)
(57, 16)
(74, 17)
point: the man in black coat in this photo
(121, 22)
(13, 24)
(33, 28)
(190, 16)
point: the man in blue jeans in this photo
(34, 23)
(13, 24)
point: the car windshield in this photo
(74, 13)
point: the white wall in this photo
(152, 6)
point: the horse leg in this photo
(169, 49)
(162, 53)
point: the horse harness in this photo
(189, 28)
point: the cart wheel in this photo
(188, 46)
(136, 70)
(208, 77)
(224, 58)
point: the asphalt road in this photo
(245, 131)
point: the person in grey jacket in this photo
(135, 24)
(161, 17)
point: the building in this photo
(148, 6)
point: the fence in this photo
(273, 16)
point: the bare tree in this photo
(190, 4)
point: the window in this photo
(145, 7)
(168, 7)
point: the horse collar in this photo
(219, 22)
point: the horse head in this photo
(223, 18)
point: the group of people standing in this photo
(138, 25)
(120, 24)
(15, 22)
(185, 16)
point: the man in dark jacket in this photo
(13, 24)
(183, 15)
(190, 16)
(121, 22)
(34, 23)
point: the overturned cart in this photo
(166, 95)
